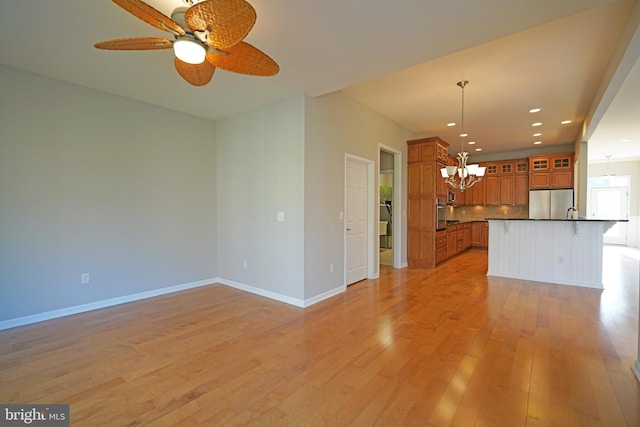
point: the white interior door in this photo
(611, 203)
(356, 221)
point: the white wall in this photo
(260, 173)
(99, 184)
(336, 124)
(143, 198)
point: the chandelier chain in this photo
(463, 176)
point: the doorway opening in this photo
(389, 206)
(609, 199)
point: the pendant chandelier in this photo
(462, 176)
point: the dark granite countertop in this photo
(556, 219)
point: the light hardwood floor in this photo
(415, 347)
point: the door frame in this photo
(370, 249)
(396, 230)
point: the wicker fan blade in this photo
(150, 15)
(195, 74)
(227, 22)
(137, 43)
(244, 59)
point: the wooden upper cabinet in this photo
(507, 190)
(413, 153)
(551, 171)
(492, 169)
(562, 170)
(501, 186)
(492, 190)
(507, 168)
(521, 193)
(539, 180)
(539, 164)
(562, 162)
(562, 179)
(521, 166)
(427, 149)
(477, 193)
(442, 152)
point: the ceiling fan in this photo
(207, 34)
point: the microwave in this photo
(451, 197)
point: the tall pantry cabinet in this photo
(425, 186)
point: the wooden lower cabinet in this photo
(452, 241)
(441, 245)
(480, 234)
(466, 236)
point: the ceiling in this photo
(402, 59)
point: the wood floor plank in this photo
(414, 347)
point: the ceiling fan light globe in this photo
(189, 50)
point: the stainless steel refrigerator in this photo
(547, 204)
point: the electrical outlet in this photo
(331, 266)
(245, 264)
(85, 278)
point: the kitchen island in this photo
(566, 252)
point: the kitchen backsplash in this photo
(479, 213)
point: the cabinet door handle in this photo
(348, 229)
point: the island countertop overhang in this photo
(558, 219)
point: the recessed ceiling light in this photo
(478, 149)
(534, 110)
(565, 122)
(537, 134)
(625, 140)
(537, 143)
(464, 134)
(451, 124)
(537, 124)
(471, 142)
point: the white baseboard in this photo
(283, 298)
(324, 295)
(68, 311)
(636, 369)
(272, 295)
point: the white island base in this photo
(566, 252)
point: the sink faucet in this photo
(570, 212)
